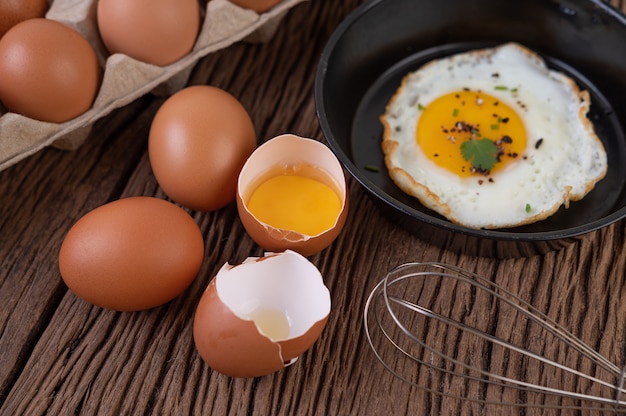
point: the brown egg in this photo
(258, 317)
(14, 11)
(307, 209)
(48, 71)
(259, 6)
(158, 32)
(199, 140)
(132, 254)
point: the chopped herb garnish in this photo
(495, 126)
(455, 113)
(420, 107)
(372, 168)
(514, 90)
(501, 87)
(483, 154)
(528, 208)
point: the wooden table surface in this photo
(60, 355)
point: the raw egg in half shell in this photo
(291, 194)
(257, 317)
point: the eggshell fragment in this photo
(199, 140)
(132, 254)
(284, 152)
(227, 332)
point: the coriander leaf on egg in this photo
(483, 153)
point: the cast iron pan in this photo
(382, 40)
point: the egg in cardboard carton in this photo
(126, 79)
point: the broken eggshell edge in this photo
(289, 150)
(234, 345)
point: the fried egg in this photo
(492, 138)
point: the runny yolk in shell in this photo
(296, 203)
(458, 117)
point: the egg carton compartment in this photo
(125, 79)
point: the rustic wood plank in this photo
(59, 186)
(59, 355)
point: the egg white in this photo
(563, 167)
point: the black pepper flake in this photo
(505, 120)
(480, 181)
(398, 129)
(495, 75)
(436, 155)
(491, 180)
(538, 144)
(479, 171)
(507, 139)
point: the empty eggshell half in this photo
(289, 154)
(257, 317)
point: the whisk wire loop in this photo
(388, 320)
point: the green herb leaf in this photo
(481, 153)
(455, 113)
(420, 107)
(528, 208)
(372, 168)
(501, 87)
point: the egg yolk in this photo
(296, 203)
(273, 323)
(469, 117)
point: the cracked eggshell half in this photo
(291, 155)
(257, 317)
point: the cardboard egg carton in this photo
(126, 79)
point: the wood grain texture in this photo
(61, 356)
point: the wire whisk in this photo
(459, 335)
